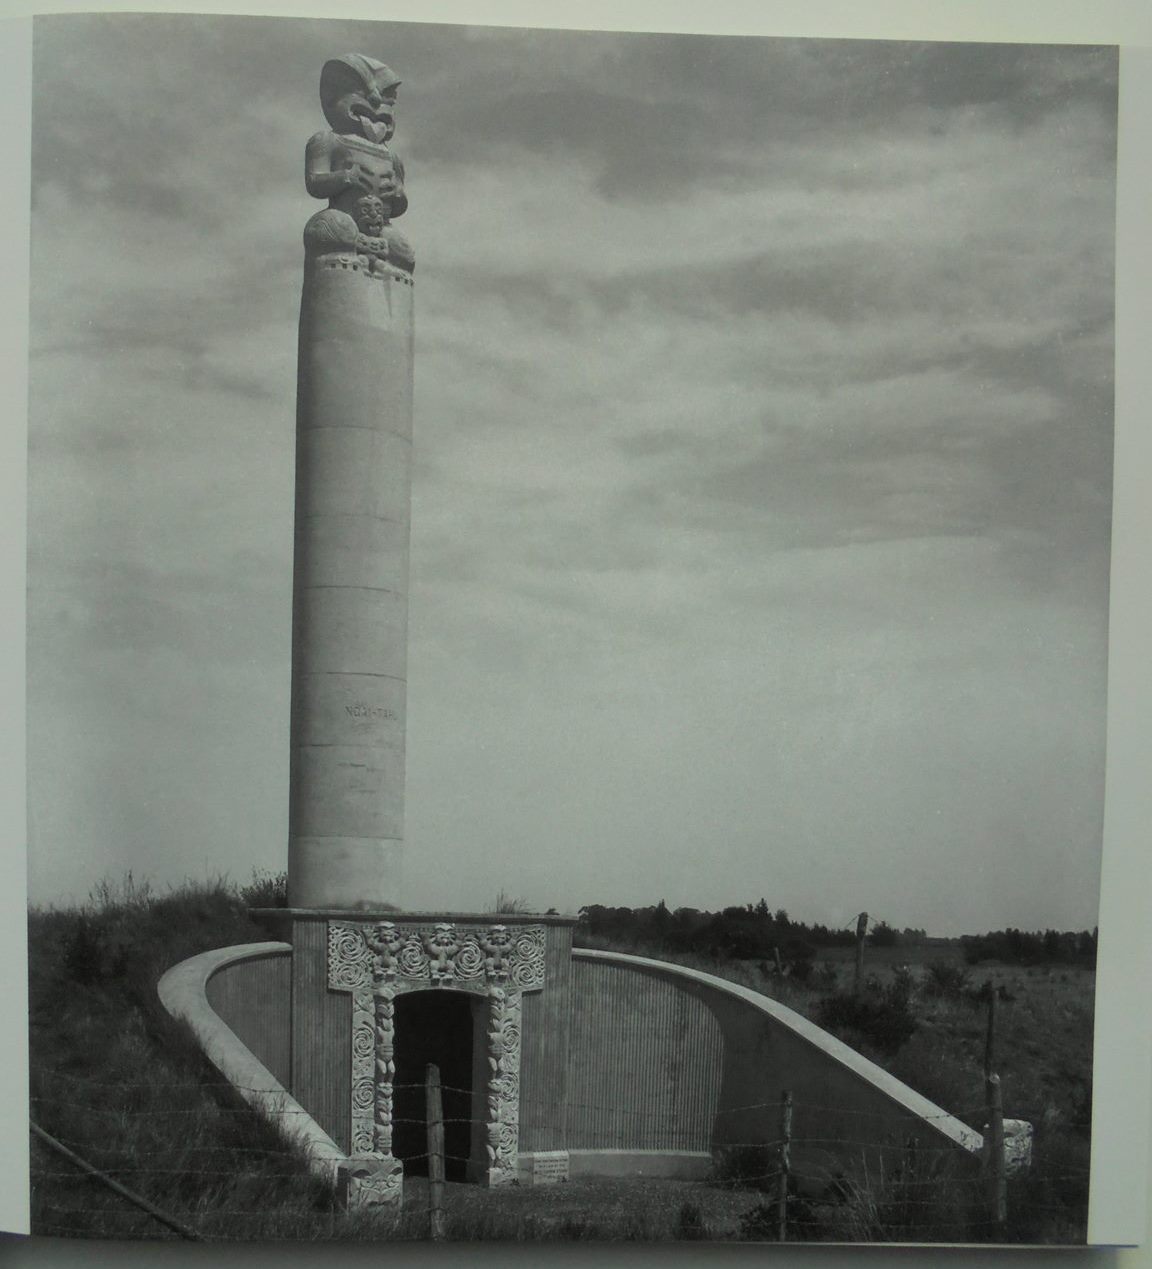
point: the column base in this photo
(353, 874)
(370, 1181)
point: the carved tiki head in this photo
(370, 215)
(358, 95)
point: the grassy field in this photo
(118, 1082)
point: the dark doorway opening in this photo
(432, 1026)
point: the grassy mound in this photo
(127, 1088)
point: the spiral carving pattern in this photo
(413, 959)
(469, 961)
(363, 1094)
(349, 962)
(363, 1044)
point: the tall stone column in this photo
(353, 472)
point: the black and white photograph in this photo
(568, 613)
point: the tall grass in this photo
(123, 1085)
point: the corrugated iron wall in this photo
(544, 1043)
(645, 1062)
(321, 1034)
(254, 998)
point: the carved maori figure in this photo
(385, 1070)
(497, 945)
(503, 1128)
(385, 941)
(441, 944)
(350, 164)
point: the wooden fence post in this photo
(435, 1118)
(861, 932)
(785, 1166)
(990, 1039)
(997, 1169)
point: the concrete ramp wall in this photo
(239, 977)
(669, 1064)
(252, 995)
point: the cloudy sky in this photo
(763, 463)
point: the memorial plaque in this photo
(549, 1167)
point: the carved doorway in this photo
(434, 1026)
(380, 963)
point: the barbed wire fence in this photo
(192, 1161)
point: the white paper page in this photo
(1122, 1052)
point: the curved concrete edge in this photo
(888, 1085)
(183, 993)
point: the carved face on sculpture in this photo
(358, 95)
(498, 940)
(444, 935)
(387, 936)
(369, 215)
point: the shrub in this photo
(945, 980)
(690, 1223)
(750, 1167)
(903, 985)
(509, 903)
(83, 952)
(760, 1223)
(826, 977)
(265, 890)
(801, 1220)
(884, 1019)
(900, 1206)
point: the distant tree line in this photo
(747, 932)
(756, 932)
(1020, 947)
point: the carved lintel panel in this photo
(378, 961)
(407, 958)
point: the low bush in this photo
(760, 1223)
(916, 1202)
(690, 1223)
(825, 978)
(265, 890)
(882, 1018)
(748, 1167)
(945, 980)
